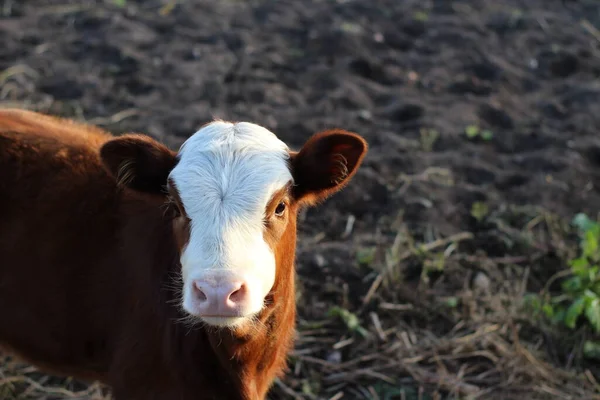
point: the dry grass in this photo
(22, 381)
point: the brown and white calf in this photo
(164, 275)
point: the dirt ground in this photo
(413, 77)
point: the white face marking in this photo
(226, 175)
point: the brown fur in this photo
(88, 266)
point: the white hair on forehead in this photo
(231, 166)
(240, 134)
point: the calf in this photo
(163, 275)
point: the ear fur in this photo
(325, 164)
(138, 162)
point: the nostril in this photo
(200, 295)
(238, 295)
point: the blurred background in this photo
(460, 263)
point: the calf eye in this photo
(173, 208)
(280, 209)
(176, 210)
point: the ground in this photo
(482, 119)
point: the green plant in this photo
(583, 287)
(580, 292)
(428, 138)
(487, 135)
(591, 349)
(421, 16)
(350, 27)
(433, 262)
(366, 256)
(350, 319)
(479, 210)
(472, 131)
(450, 302)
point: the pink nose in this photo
(220, 299)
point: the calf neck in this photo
(165, 275)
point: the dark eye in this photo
(176, 210)
(173, 208)
(280, 209)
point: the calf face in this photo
(233, 191)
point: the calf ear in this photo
(138, 162)
(325, 164)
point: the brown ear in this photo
(325, 164)
(138, 162)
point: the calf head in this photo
(234, 190)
